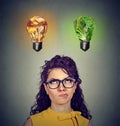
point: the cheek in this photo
(72, 91)
(74, 88)
(52, 94)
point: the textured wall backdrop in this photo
(20, 64)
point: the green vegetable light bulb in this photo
(84, 27)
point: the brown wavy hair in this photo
(42, 99)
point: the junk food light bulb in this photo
(84, 27)
(37, 27)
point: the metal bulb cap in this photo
(37, 46)
(84, 45)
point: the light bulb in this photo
(37, 27)
(84, 27)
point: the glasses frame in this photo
(61, 81)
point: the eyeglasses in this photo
(67, 83)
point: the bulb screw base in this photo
(37, 46)
(84, 45)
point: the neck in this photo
(61, 108)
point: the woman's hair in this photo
(42, 99)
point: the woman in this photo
(60, 101)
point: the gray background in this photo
(20, 64)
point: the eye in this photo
(53, 81)
(68, 80)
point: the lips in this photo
(63, 95)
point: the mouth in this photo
(63, 95)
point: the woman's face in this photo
(60, 95)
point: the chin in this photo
(63, 102)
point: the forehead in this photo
(58, 73)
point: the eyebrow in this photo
(57, 79)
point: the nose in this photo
(61, 87)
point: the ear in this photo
(46, 88)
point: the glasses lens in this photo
(69, 82)
(53, 84)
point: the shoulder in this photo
(82, 120)
(40, 114)
(28, 122)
